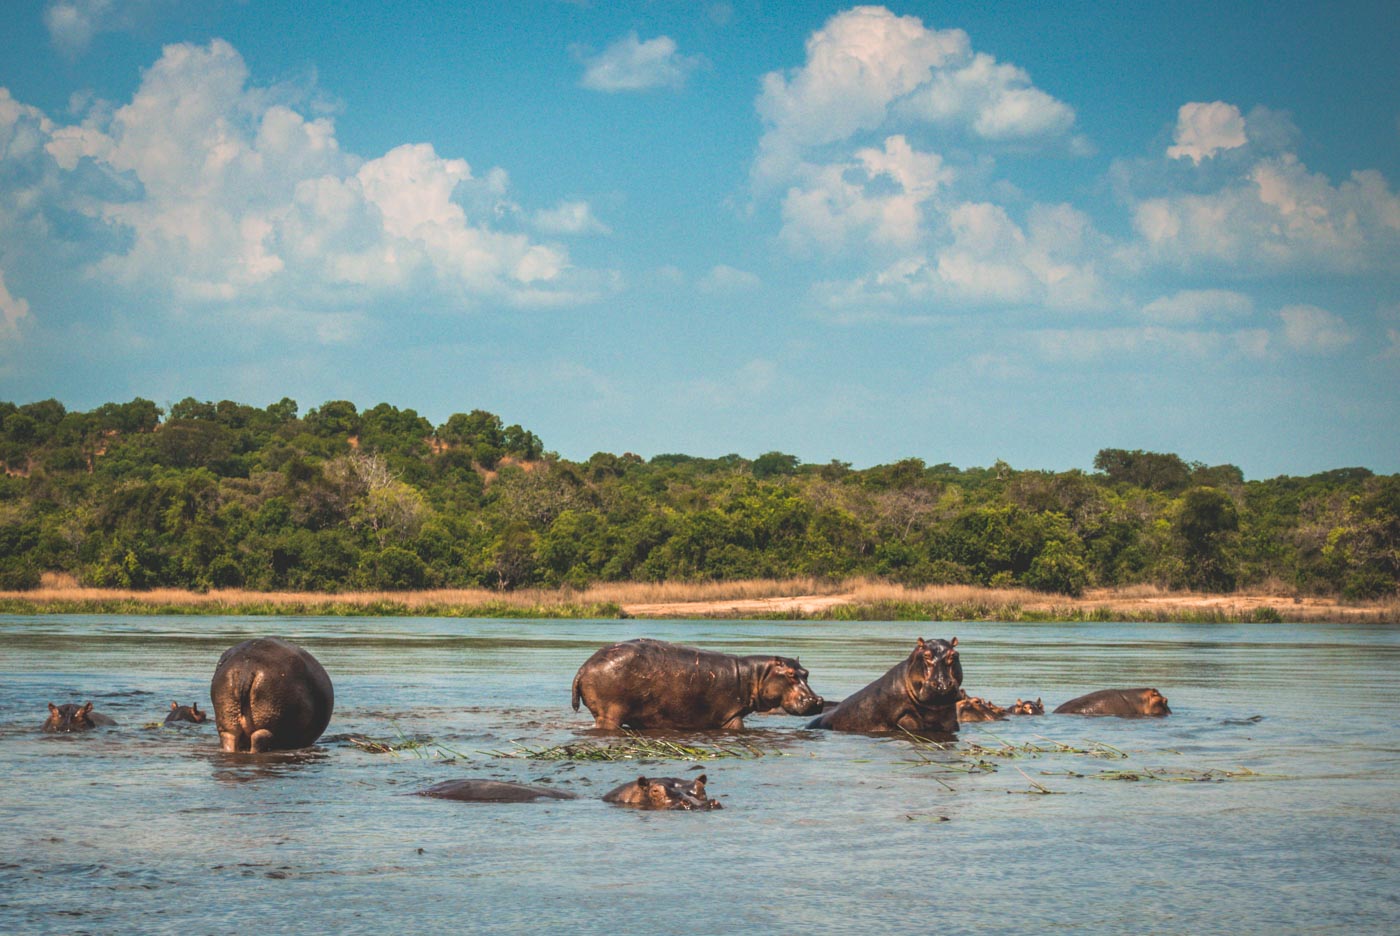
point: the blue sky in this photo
(865, 233)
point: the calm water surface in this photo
(1269, 802)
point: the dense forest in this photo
(224, 495)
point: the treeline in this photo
(224, 495)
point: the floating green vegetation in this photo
(950, 758)
(633, 747)
(421, 748)
(1172, 775)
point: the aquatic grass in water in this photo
(634, 747)
(421, 748)
(973, 757)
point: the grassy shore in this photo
(793, 599)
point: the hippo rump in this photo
(648, 683)
(186, 713)
(1122, 702)
(663, 793)
(1026, 707)
(492, 791)
(975, 709)
(72, 717)
(269, 695)
(920, 693)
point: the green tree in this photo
(1207, 523)
(1152, 470)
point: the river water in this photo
(1268, 802)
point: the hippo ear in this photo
(174, 706)
(53, 709)
(701, 780)
(953, 642)
(643, 782)
(87, 708)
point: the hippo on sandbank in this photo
(268, 694)
(1124, 703)
(647, 683)
(72, 717)
(919, 694)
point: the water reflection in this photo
(245, 767)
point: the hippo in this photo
(974, 709)
(648, 683)
(269, 695)
(492, 791)
(186, 713)
(1122, 702)
(1027, 708)
(71, 717)
(919, 693)
(663, 793)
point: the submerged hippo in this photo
(663, 793)
(1027, 707)
(71, 717)
(1123, 702)
(188, 713)
(269, 695)
(648, 683)
(974, 709)
(920, 693)
(492, 791)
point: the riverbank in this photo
(794, 599)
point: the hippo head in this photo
(1153, 703)
(189, 713)
(972, 708)
(1023, 707)
(783, 684)
(935, 672)
(673, 793)
(69, 717)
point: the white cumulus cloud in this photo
(1198, 305)
(867, 67)
(1204, 129)
(13, 310)
(218, 191)
(634, 64)
(1312, 330)
(727, 279)
(569, 217)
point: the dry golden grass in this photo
(797, 598)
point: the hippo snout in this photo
(808, 703)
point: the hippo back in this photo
(270, 694)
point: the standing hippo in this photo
(648, 683)
(269, 695)
(71, 717)
(186, 713)
(920, 693)
(492, 791)
(1123, 702)
(1027, 707)
(663, 793)
(974, 709)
